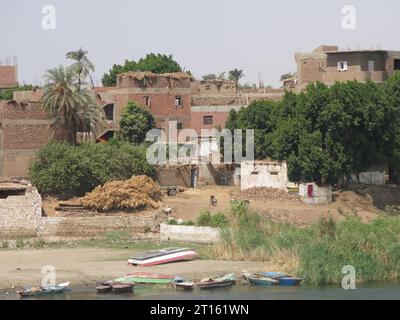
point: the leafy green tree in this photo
(71, 109)
(65, 170)
(135, 123)
(156, 63)
(82, 66)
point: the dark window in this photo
(208, 120)
(4, 194)
(178, 101)
(396, 64)
(109, 111)
(179, 125)
(147, 101)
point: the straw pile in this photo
(136, 193)
(266, 194)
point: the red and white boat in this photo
(154, 257)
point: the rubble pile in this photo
(265, 193)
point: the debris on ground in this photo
(264, 193)
(136, 193)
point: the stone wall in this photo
(92, 226)
(20, 215)
(189, 233)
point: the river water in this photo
(374, 291)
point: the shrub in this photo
(204, 219)
(219, 220)
(66, 170)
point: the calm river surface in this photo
(374, 291)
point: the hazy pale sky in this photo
(207, 36)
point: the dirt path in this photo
(85, 266)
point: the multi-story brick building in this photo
(328, 64)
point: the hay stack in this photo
(135, 193)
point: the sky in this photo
(207, 36)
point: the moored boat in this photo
(155, 257)
(222, 282)
(122, 288)
(146, 278)
(255, 279)
(39, 291)
(289, 281)
(186, 286)
(283, 278)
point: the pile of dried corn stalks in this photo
(135, 193)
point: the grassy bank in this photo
(319, 252)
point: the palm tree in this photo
(236, 75)
(69, 104)
(82, 66)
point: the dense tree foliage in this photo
(135, 123)
(328, 132)
(66, 170)
(156, 63)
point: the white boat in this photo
(154, 257)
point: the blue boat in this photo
(289, 281)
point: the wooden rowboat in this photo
(40, 291)
(222, 282)
(186, 286)
(146, 278)
(260, 280)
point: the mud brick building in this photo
(328, 64)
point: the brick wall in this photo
(8, 76)
(24, 129)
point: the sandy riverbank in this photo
(85, 266)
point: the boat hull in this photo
(215, 284)
(145, 278)
(289, 281)
(262, 281)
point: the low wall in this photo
(189, 233)
(92, 226)
(319, 194)
(20, 215)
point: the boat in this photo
(122, 288)
(289, 281)
(186, 286)
(167, 255)
(104, 287)
(146, 278)
(222, 282)
(283, 278)
(39, 291)
(260, 280)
